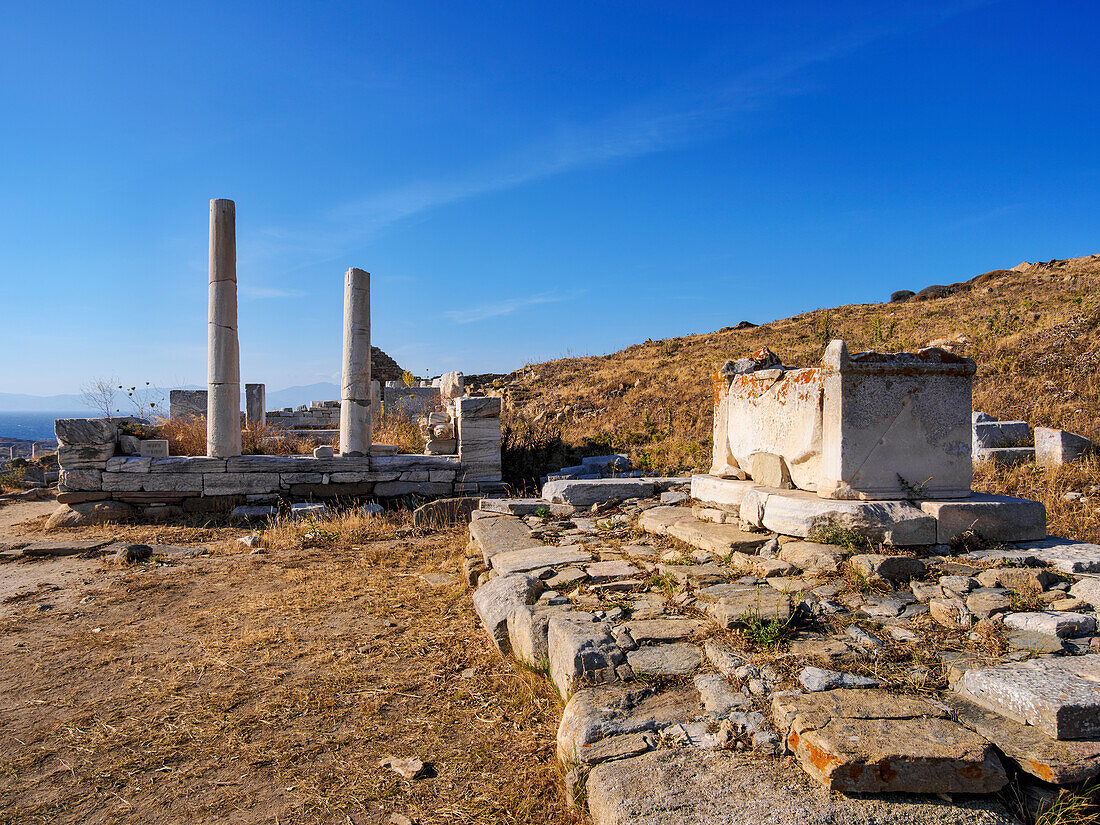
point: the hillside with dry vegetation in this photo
(1033, 330)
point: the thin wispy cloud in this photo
(495, 310)
(658, 125)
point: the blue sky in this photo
(523, 181)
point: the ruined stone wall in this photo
(93, 470)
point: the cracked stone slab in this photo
(497, 599)
(1065, 555)
(499, 534)
(1060, 762)
(663, 630)
(874, 741)
(581, 654)
(720, 539)
(594, 714)
(536, 558)
(676, 659)
(691, 786)
(64, 548)
(798, 513)
(585, 493)
(1060, 696)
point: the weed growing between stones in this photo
(833, 533)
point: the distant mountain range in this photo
(289, 397)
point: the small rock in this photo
(411, 768)
(251, 541)
(816, 679)
(133, 553)
(673, 498)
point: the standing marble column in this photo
(223, 366)
(355, 389)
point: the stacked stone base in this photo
(91, 472)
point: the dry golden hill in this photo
(1034, 331)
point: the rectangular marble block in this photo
(153, 447)
(231, 484)
(994, 518)
(896, 426)
(150, 483)
(1059, 696)
(1056, 447)
(721, 493)
(84, 456)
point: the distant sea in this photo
(34, 426)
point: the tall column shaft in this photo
(223, 365)
(355, 389)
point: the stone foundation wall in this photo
(93, 470)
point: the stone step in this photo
(1059, 696)
(585, 493)
(720, 539)
(524, 507)
(491, 534)
(690, 786)
(874, 741)
(1051, 760)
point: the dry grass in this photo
(187, 436)
(402, 432)
(244, 688)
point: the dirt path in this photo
(245, 688)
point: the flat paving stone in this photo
(718, 696)
(1065, 555)
(658, 520)
(585, 493)
(689, 786)
(720, 539)
(524, 507)
(617, 569)
(724, 493)
(1060, 696)
(1053, 623)
(500, 534)
(677, 659)
(874, 741)
(592, 714)
(1061, 762)
(753, 602)
(535, 558)
(663, 630)
(63, 548)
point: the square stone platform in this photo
(900, 523)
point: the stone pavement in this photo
(887, 671)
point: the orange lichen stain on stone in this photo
(819, 760)
(885, 773)
(1044, 772)
(972, 771)
(721, 387)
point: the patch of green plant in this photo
(663, 581)
(832, 533)
(765, 634)
(542, 512)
